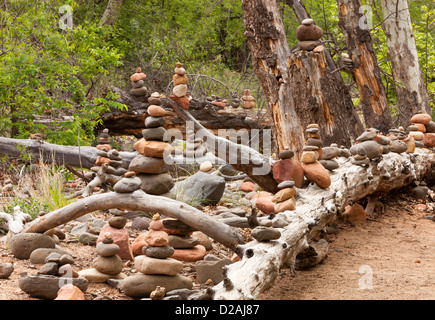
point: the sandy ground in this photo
(390, 258)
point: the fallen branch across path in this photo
(139, 201)
(315, 209)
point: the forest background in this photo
(58, 57)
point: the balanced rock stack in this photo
(186, 247)
(138, 87)
(156, 266)
(284, 199)
(369, 145)
(308, 35)
(179, 92)
(314, 171)
(108, 157)
(235, 101)
(107, 265)
(327, 159)
(423, 122)
(415, 138)
(53, 275)
(397, 140)
(150, 166)
(119, 234)
(287, 168)
(195, 147)
(219, 102)
(248, 101)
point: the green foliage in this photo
(31, 206)
(47, 70)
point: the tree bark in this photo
(315, 209)
(365, 69)
(111, 13)
(299, 87)
(139, 201)
(411, 92)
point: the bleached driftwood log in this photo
(15, 222)
(315, 209)
(139, 201)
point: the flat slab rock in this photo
(47, 286)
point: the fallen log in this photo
(315, 209)
(241, 157)
(131, 121)
(139, 201)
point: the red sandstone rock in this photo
(315, 172)
(70, 292)
(287, 169)
(247, 186)
(120, 237)
(196, 253)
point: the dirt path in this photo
(392, 257)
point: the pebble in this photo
(6, 270)
(206, 166)
(286, 184)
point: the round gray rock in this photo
(23, 244)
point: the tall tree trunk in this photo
(270, 51)
(299, 87)
(365, 69)
(411, 92)
(111, 13)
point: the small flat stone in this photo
(106, 249)
(261, 233)
(286, 184)
(157, 133)
(154, 122)
(162, 252)
(286, 154)
(127, 185)
(182, 242)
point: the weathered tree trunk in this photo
(111, 13)
(139, 201)
(350, 122)
(298, 87)
(365, 69)
(411, 92)
(315, 209)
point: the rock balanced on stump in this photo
(150, 167)
(308, 35)
(179, 92)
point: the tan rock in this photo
(355, 214)
(155, 149)
(423, 118)
(147, 265)
(70, 292)
(289, 204)
(156, 238)
(284, 194)
(156, 111)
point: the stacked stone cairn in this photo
(284, 199)
(314, 171)
(329, 154)
(195, 147)
(288, 168)
(248, 101)
(109, 156)
(150, 166)
(369, 145)
(420, 125)
(219, 102)
(308, 35)
(138, 86)
(116, 228)
(107, 265)
(179, 92)
(235, 101)
(397, 138)
(187, 248)
(425, 124)
(156, 267)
